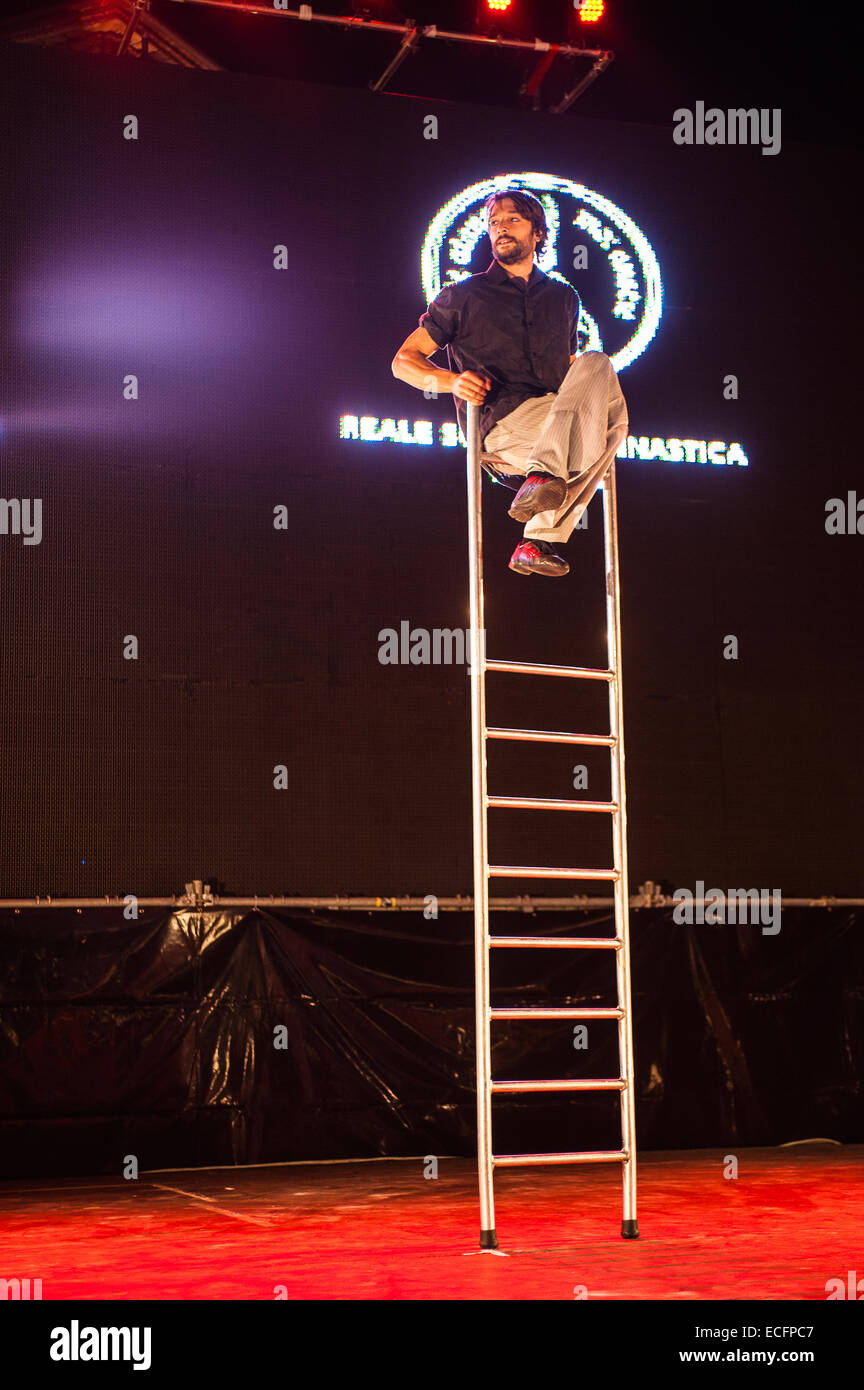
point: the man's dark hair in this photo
(527, 205)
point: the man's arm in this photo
(412, 364)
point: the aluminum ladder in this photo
(483, 871)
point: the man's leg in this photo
(514, 437)
(584, 427)
(573, 434)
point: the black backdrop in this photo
(259, 647)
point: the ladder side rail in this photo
(477, 677)
(619, 844)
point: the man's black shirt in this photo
(518, 334)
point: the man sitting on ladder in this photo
(548, 413)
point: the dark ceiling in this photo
(667, 55)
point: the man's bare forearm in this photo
(418, 371)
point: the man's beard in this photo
(512, 251)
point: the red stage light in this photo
(589, 10)
(498, 5)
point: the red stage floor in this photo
(380, 1230)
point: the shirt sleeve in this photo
(574, 324)
(441, 319)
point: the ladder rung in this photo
(588, 943)
(517, 871)
(544, 736)
(527, 668)
(511, 1160)
(612, 1084)
(534, 803)
(540, 1012)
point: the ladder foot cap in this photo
(488, 1240)
(630, 1230)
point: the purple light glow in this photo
(194, 312)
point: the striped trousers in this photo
(573, 433)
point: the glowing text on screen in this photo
(373, 429)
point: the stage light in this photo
(503, 19)
(589, 11)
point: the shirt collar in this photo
(498, 275)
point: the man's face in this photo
(512, 235)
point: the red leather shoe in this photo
(537, 557)
(540, 492)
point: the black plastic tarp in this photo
(187, 1038)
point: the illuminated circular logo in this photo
(592, 245)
